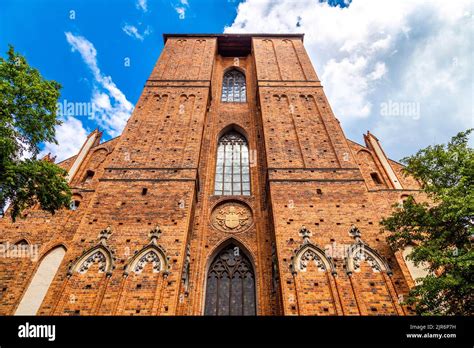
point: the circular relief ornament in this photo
(231, 217)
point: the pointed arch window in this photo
(39, 285)
(233, 87)
(232, 165)
(230, 288)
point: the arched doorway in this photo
(230, 286)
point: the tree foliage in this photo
(28, 116)
(441, 231)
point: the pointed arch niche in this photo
(88, 278)
(151, 254)
(41, 281)
(145, 277)
(230, 282)
(314, 274)
(370, 275)
(370, 170)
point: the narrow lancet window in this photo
(232, 165)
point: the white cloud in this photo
(112, 109)
(348, 74)
(142, 5)
(380, 70)
(133, 31)
(70, 136)
(374, 51)
(86, 49)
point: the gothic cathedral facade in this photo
(231, 191)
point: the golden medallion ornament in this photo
(231, 217)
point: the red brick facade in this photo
(161, 172)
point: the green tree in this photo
(441, 231)
(28, 106)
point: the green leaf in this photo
(442, 231)
(28, 106)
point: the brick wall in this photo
(160, 172)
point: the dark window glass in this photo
(230, 284)
(376, 178)
(74, 205)
(89, 176)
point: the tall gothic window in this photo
(39, 285)
(232, 166)
(233, 87)
(230, 288)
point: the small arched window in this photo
(75, 202)
(89, 175)
(22, 243)
(232, 165)
(233, 87)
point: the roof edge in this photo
(294, 35)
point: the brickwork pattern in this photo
(160, 173)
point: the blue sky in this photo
(370, 56)
(37, 30)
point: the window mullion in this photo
(240, 172)
(234, 87)
(223, 168)
(232, 172)
(231, 147)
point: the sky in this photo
(401, 69)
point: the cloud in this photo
(142, 5)
(373, 52)
(181, 8)
(86, 49)
(111, 107)
(133, 31)
(70, 136)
